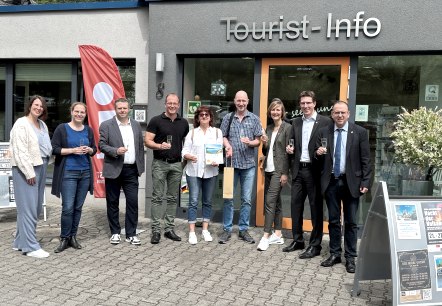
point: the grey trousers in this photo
(272, 206)
(29, 202)
(165, 178)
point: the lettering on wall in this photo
(293, 29)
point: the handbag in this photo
(228, 181)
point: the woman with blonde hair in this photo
(276, 167)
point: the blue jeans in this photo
(246, 178)
(206, 185)
(73, 193)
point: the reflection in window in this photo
(214, 82)
(127, 73)
(386, 84)
(2, 103)
(49, 80)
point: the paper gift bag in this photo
(228, 182)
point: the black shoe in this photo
(224, 237)
(74, 243)
(331, 261)
(350, 266)
(310, 252)
(172, 236)
(294, 246)
(244, 235)
(64, 244)
(155, 238)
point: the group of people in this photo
(327, 158)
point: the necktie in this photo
(337, 166)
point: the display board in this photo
(402, 241)
(7, 198)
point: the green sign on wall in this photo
(192, 106)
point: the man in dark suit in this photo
(306, 176)
(121, 141)
(345, 177)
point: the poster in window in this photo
(431, 93)
(7, 198)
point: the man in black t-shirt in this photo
(165, 135)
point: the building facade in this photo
(377, 55)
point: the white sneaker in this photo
(192, 238)
(115, 239)
(274, 239)
(133, 240)
(206, 235)
(263, 244)
(40, 253)
(16, 249)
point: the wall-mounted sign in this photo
(431, 93)
(294, 29)
(218, 88)
(192, 106)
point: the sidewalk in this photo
(170, 273)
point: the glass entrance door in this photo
(285, 79)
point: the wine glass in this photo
(169, 139)
(324, 144)
(291, 143)
(242, 134)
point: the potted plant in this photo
(417, 140)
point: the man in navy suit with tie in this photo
(345, 177)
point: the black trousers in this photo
(128, 180)
(304, 185)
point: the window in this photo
(214, 82)
(2, 102)
(385, 85)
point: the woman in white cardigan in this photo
(31, 148)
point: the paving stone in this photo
(170, 273)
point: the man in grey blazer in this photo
(121, 141)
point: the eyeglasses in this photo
(203, 115)
(172, 104)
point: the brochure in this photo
(214, 153)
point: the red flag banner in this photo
(102, 86)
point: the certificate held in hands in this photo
(214, 153)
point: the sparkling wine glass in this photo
(324, 143)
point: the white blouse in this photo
(195, 145)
